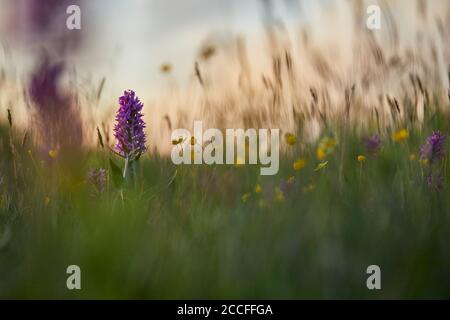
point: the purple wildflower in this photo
(56, 112)
(41, 14)
(433, 149)
(129, 127)
(42, 19)
(372, 144)
(98, 179)
(44, 86)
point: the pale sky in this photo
(129, 39)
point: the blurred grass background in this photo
(195, 237)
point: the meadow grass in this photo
(193, 235)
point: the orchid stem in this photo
(125, 169)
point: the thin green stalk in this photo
(125, 169)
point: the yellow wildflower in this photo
(325, 147)
(299, 164)
(329, 143)
(400, 135)
(290, 139)
(258, 189)
(320, 154)
(361, 158)
(424, 162)
(412, 157)
(53, 153)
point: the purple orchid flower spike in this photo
(372, 144)
(129, 129)
(433, 149)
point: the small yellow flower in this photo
(326, 147)
(258, 189)
(412, 157)
(290, 139)
(299, 164)
(400, 135)
(245, 197)
(361, 158)
(53, 153)
(46, 200)
(291, 180)
(279, 196)
(321, 165)
(424, 162)
(329, 143)
(320, 154)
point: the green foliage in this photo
(185, 232)
(116, 174)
